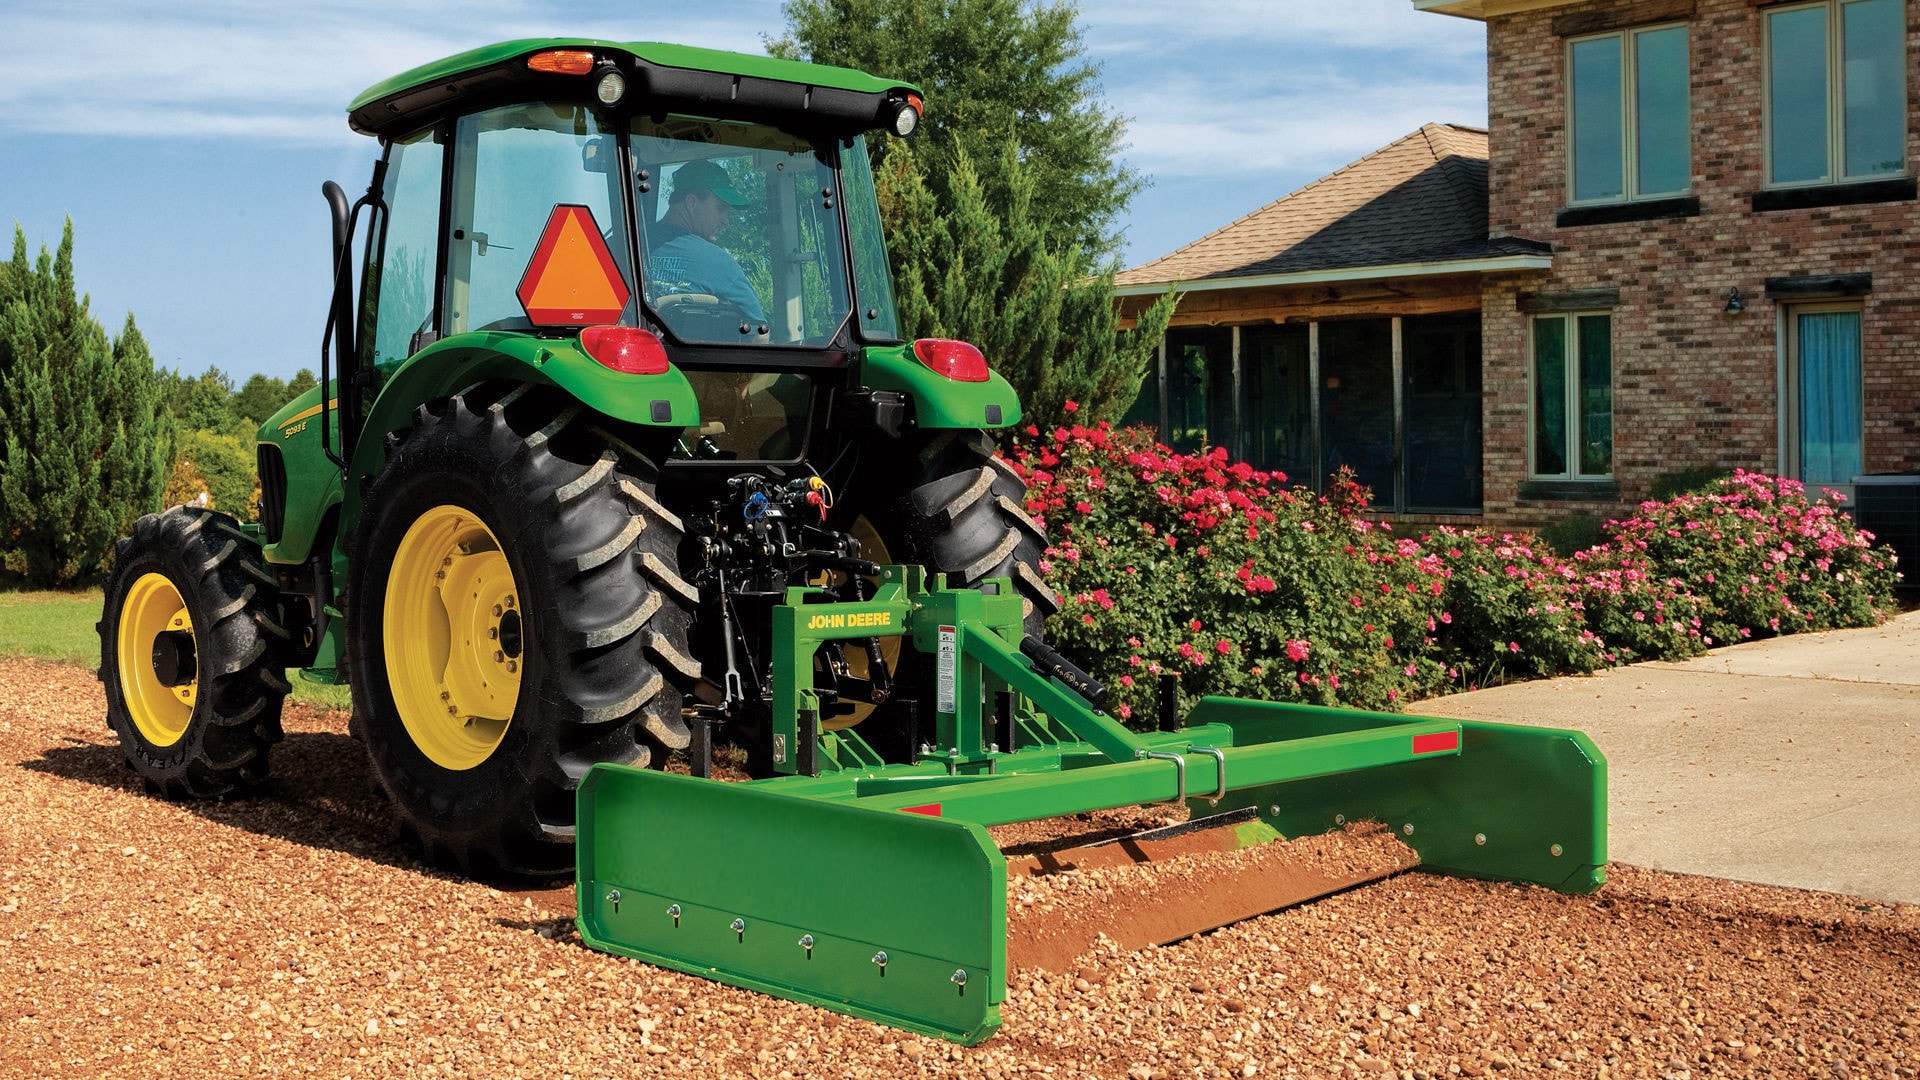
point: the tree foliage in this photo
(966, 271)
(85, 441)
(225, 466)
(1000, 214)
(994, 71)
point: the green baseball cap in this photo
(708, 177)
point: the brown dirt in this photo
(285, 934)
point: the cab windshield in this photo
(740, 235)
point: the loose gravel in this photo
(286, 934)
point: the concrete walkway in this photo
(1793, 761)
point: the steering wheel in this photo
(690, 301)
(684, 311)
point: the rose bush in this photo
(1222, 575)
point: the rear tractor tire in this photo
(964, 517)
(192, 654)
(515, 616)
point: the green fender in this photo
(446, 367)
(455, 363)
(940, 402)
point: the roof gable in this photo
(1421, 199)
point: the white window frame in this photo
(1836, 97)
(1629, 116)
(1570, 361)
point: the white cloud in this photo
(282, 71)
(1258, 86)
(1132, 26)
(1193, 129)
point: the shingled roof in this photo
(1421, 200)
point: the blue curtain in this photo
(1830, 397)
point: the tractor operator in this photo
(683, 247)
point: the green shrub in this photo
(1572, 534)
(1191, 564)
(1761, 558)
(1688, 481)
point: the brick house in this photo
(1727, 192)
(1726, 196)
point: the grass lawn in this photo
(59, 626)
(51, 626)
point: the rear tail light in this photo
(626, 349)
(956, 360)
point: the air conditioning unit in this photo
(1889, 508)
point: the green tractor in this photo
(618, 454)
(620, 364)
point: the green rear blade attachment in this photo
(1517, 804)
(726, 881)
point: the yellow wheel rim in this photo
(154, 607)
(455, 642)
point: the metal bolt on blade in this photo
(613, 897)
(674, 911)
(1338, 819)
(739, 927)
(806, 942)
(1407, 828)
(1480, 838)
(959, 978)
(1556, 851)
(880, 961)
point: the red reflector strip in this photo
(931, 809)
(1436, 742)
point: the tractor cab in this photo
(749, 247)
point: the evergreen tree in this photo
(84, 442)
(1044, 318)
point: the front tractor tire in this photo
(192, 654)
(515, 615)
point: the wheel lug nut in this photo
(498, 611)
(512, 667)
(493, 633)
(498, 656)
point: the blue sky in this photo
(188, 139)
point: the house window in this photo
(1627, 115)
(1836, 91)
(1822, 407)
(1573, 396)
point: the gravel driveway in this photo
(286, 934)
